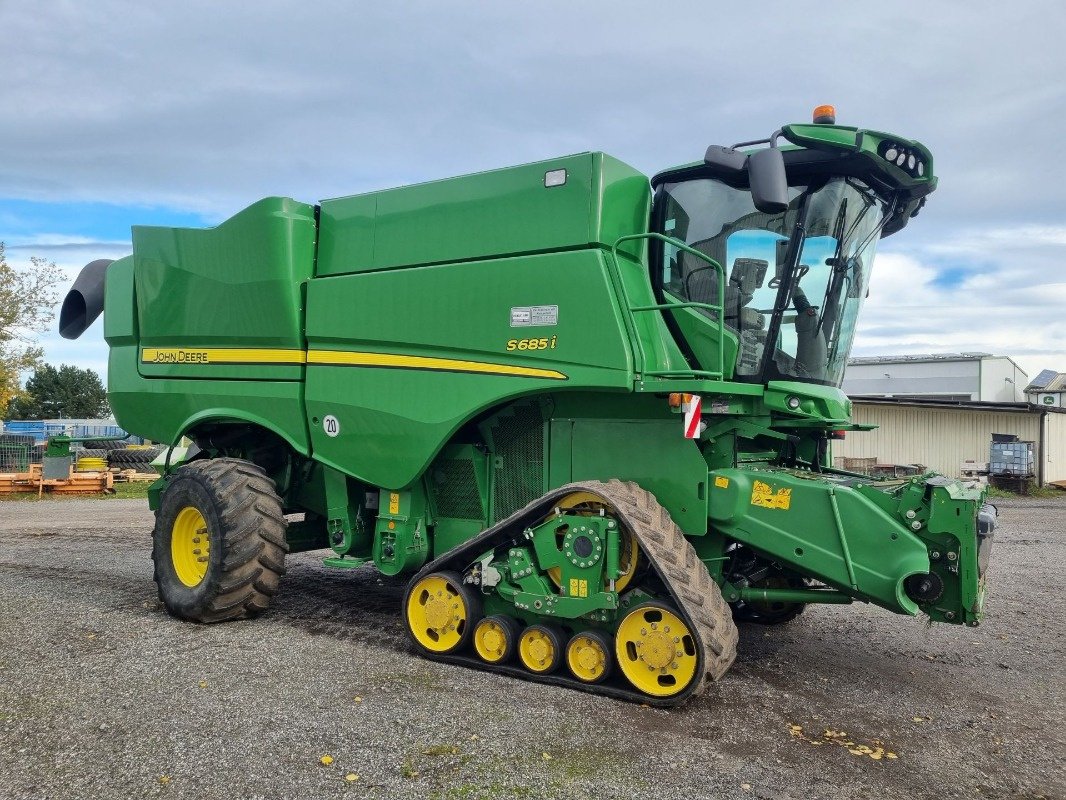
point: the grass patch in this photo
(134, 490)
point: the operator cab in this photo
(797, 264)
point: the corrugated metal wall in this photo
(939, 438)
(1055, 455)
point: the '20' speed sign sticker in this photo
(330, 425)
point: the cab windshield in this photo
(795, 280)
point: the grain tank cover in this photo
(237, 285)
(589, 199)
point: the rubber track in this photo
(697, 598)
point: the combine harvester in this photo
(590, 415)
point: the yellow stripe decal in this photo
(344, 358)
(356, 359)
(220, 355)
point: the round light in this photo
(921, 169)
(825, 115)
(891, 153)
(902, 158)
(793, 402)
(911, 160)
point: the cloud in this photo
(1013, 309)
(208, 106)
(204, 107)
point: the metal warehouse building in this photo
(942, 434)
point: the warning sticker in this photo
(763, 494)
(530, 316)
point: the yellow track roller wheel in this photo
(589, 656)
(496, 638)
(190, 546)
(628, 558)
(540, 648)
(655, 650)
(441, 612)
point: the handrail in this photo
(720, 307)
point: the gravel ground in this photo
(103, 695)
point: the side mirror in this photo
(766, 177)
(725, 158)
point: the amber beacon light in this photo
(825, 115)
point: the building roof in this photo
(1048, 381)
(924, 357)
(972, 405)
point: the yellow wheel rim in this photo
(437, 614)
(490, 641)
(536, 650)
(587, 658)
(627, 557)
(656, 651)
(190, 546)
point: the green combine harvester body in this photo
(574, 404)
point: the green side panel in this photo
(622, 202)
(120, 314)
(489, 214)
(655, 454)
(600, 436)
(163, 409)
(792, 520)
(394, 419)
(237, 285)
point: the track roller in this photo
(496, 638)
(540, 648)
(588, 655)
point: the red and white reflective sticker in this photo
(693, 409)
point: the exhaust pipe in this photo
(85, 300)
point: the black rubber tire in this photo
(91, 452)
(112, 444)
(247, 558)
(138, 456)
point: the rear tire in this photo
(219, 541)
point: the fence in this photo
(18, 452)
(41, 429)
(22, 442)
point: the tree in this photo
(27, 304)
(68, 392)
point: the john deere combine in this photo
(590, 415)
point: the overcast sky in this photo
(166, 113)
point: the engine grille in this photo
(518, 444)
(455, 489)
